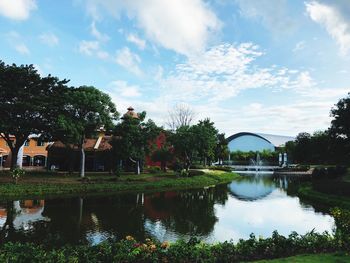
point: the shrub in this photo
(195, 172)
(130, 250)
(17, 173)
(221, 168)
(154, 170)
(197, 166)
(329, 172)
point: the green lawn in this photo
(317, 258)
(38, 185)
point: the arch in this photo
(26, 160)
(39, 160)
(232, 137)
(246, 142)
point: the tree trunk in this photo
(82, 161)
(163, 166)
(137, 167)
(14, 157)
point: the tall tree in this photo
(26, 99)
(221, 150)
(87, 109)
(180, 115)
(132, 139)
(185, 145)
(206, 139)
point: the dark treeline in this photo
(325, 147)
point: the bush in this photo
(197, 166)
(221, 168)
(130, 250)
(195, 172)
(342, 221)
(154, 170)
(329, 172)
(17, 173)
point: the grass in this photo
(34, 185)
(306, 191)
(317, 258)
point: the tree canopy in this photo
(26, 104)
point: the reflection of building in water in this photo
(22, 213)
(246, 190)
(154, 210)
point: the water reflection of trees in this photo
(88, 220)
(188, 213)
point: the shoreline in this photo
(46, 187)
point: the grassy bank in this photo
(34, 185)
(318, 258)
(307, 192)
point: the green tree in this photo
(221, 150)
(87, 109)
(340, 125)
(132, 140)
(26, 104)
(205, 135)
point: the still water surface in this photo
(255, 204)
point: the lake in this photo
(253, 204)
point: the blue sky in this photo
(269, 66)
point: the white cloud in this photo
(299, 46)
(120, 87)
(17, 9)
(49, 39)
(274, 15)
(15, 40)
(97, 34)
(333, 21)
(88, 47)
(22, 49)
(129, 60)
(133, 38)
(225, 70)
(184, 26)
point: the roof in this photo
(275, 140)
(131, 113)
(89, 144)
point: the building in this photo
(34, 153)
(247, 141)
(97, 154)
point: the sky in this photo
(267, 66)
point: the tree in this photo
(221, 150)
(132, 139)
(164, 153)
(206, 139)
(180, 115)
(26, 100)
(86, 110)
(185, 145)
(340, 125)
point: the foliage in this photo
(196, 142)
(342, 221)
(193, 250)
(221, 150)
(87, 109)
(330, 172)
(221, 168)
(28, 104)
(71, 186)
(245, 157)
(17, 173)
(163, 154)
(154, 170)
(132, 139)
